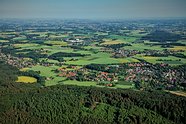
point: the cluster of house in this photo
(139, 74)
(15, 61)
(121, 53)
(75, 42)
(46, 63)
(160, 74)
(88, 75)
(66, 73)
(160, 52)
(105, 76)
(173, 75)
(107, 50)
(138, 64)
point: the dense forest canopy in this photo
(7, 76)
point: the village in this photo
(154, 76)
(15, 61)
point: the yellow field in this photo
(149, 57)
(23, 41)
(25, 45)
(26, 79)
(60, 43)
(3, 41)
(179, 93)
(24, 69)
(27, 59)
(127, 60)
(123, 60)
(110, 42)
(58, 36)
(176, 48)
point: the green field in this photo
(25, 45)
(90, 83)
(48, 72)
(20, 38)
(100, 58)
(142, 47)
(4, 41)
(111, 42)
(167, 60)
(57, 43)
(124, 86)
(123, 38)
(74, 82)
(58, 36)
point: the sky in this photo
(92, 9)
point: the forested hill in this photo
(28, 103)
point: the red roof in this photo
(109, 79)
(104, 73)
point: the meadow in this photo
(167, 60)
(57, 43)
(49, 73)
(4, 41)
(78, 83)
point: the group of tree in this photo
(59, 56)
(8, 74)
(162, 36)
(117, 46)
(72, 104)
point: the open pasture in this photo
(142, 47)
(123, 38)
(100, 58)
(58, 36)
(167, 60)
(78, 83)
(111, 42)
(124, 86)
(20, 38)
(178, 48)
(25, 45)
(48, 72)
(4, 41)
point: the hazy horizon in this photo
(97, 9)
